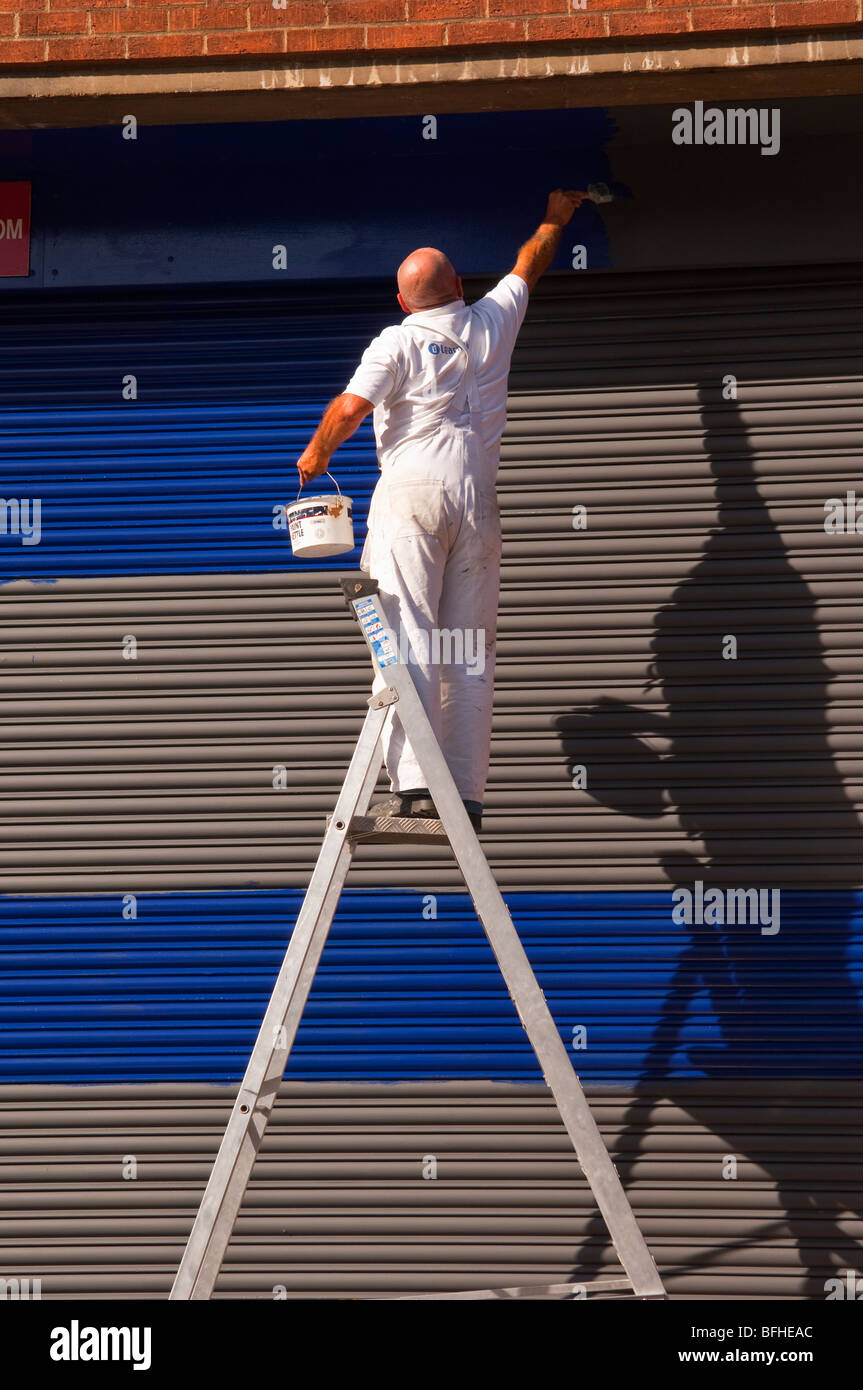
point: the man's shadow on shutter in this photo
(751, 772)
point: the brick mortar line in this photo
(651, 7)
(706, 35)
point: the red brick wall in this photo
(63, 31)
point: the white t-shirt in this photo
(410, 375)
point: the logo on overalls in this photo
(435, 348)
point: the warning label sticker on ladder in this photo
(378, 636)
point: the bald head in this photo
(427, 280)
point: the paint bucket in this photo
(321, 526)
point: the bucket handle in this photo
(327, 474)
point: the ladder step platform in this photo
(395, 830)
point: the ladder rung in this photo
(394, 830)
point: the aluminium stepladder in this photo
(346, 828)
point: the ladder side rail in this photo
(529, 1000)
(208, 1240)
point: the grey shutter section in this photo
(338, 1205)
(705, 529)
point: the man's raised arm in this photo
(537, 254)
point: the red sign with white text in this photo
(14, 229)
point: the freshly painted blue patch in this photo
(178, 993)
(346, 198)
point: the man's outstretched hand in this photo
(537, 254)
(562, 203)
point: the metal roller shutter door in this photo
(705, 518)
(157, 777)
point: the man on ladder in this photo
(437, 383)
(436, 545)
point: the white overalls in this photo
(434, 537)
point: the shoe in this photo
(400, 805)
